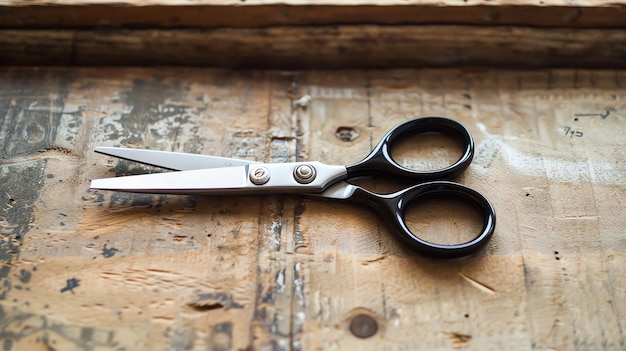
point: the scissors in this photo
(211, 175)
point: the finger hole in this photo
(443, 220)
(426, 151)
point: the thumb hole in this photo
(443, 220)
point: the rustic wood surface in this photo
(362, 46)
(96, 270)
(260, 13)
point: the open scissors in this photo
(201, 174)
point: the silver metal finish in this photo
(340, 190)
(177, 161)
(227, 180)
(304, 174)
(259, 175)
(183, 182)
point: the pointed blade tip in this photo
(105, 150)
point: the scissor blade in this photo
(279, 178)
(203, 181)
(177, 161)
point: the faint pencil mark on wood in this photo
(572, 133)
(603, 115)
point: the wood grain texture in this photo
(109, 271)
(254, 3)
(259, 13)
(364, 46)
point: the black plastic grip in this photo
(392, 209)
(380, 162)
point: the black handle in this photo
(380, 162)
(392, 208)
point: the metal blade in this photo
(178, 161)
(203, 181)
(279, 178)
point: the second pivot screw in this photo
(304, 174)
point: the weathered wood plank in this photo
(168, 304)
(107, 270)
(527, 289)
(363, 46)
(259, 13)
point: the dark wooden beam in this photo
(212, 14)
(363, 46)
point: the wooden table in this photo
(541, 86)
(102, 270)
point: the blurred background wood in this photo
(300, 34)
(262, 13)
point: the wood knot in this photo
(347, 134)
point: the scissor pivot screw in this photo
(304, 174)
(259, 175)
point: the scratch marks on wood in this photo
(579, 217)
(480, 286)
(169, 218)
(458, 340)
(150, 278)
(373, 260)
